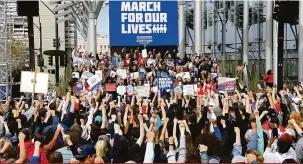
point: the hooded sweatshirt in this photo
(30, 148)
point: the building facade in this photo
(102, 44)
(67, 36)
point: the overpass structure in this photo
(84, 14)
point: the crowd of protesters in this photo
(93, 125)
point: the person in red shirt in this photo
(269, 79)
(127, 60)
(140, 59)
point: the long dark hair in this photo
(192, 153)
(269, 72)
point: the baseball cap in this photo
(85, 150)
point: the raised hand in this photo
(37, 144)
(202, 148)
(150, 136)
(237, 130)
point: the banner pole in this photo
(34, 86)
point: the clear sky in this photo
(102, 22)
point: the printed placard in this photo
(99, 73)
(151, 62)
(144, 53)
(122, 73)
(188, 90)
(226, 84)
(79, 87)
(112, 74)
(130, 89)
(86, 75)
(76, 75)
(27, 82)
(134, 75)
(170, 63)
(94, 82)
(29, 113)
(166, 82)
(143, 91)
(179, 75)
(121, 90)
(186, 75)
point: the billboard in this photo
(138, 23)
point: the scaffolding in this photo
(5, 49)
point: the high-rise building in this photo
(67, 39)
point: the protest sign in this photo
(29, 113)
(122, 73)
(79, 87)
(172, 73)
(86, 75)
(188, 90)
(130, 89)
(144, 53)
(76, 75)
(112, 74)
(110, 87)
(170, 63)
(134, 75)
(186, 75)
(151, 62)
(94, 82)
(99, 73)
(166, 82)
(226, 84)
(92, 94)
(27, 82)
(142, 91)
(179, 75)
(141, 72)
(121, 90)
